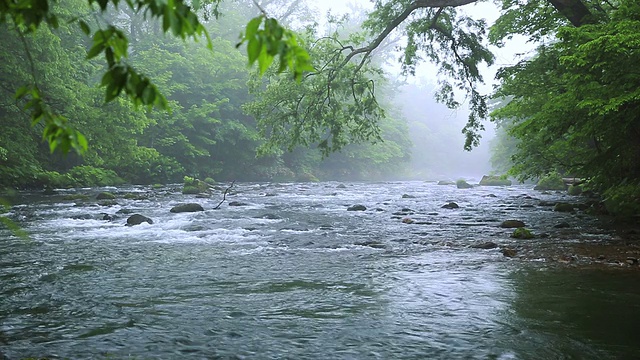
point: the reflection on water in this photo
(578, 314)
(297, 276)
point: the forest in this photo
(109, 92)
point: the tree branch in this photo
(224, 196)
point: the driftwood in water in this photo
(224, 196)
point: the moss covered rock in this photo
(563, 207)
(461, 184)
(522, 233)
(105, 196)
(491, 180)
(194, 186)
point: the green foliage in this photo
(623, 199)
(551, 181)
(574, 106)
(91, 176)
(574, 190)
(111, 41)
(8, 223)
(452, 41)
(266, 39)
(331, 108)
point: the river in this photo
(292, 274)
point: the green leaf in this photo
(254, 47)
(252, 26)
(84, 27)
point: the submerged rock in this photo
(509, 252)
(190, 207)
(371, 244)
(563, 207)
(485, 246)
(357, 208)
(446, 182)
(83, 217)
(546, 203)
(562, 225)
(268, 216)
(341, 186)
(511, 224)
(407, 196)
(408, 220)
(108, 217)
(137, 219)
(237, 203)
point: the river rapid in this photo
(292, 274)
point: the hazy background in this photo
(436, 130)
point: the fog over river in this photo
(291, 274)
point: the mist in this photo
(435, 131)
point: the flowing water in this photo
(293, 275)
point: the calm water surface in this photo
(293, 275)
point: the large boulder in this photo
(461, 184)
(490, 180)
(512, 224)
(190, 207)
(137, 219)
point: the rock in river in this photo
(563, 207)
(450, 205)
(486, 245)
(190, 207)
(461, 184)
(357, 208)
(105, 196)
(237, 203)
(512, 224)
(137, 219)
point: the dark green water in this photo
(296, 276)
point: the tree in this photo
(264, 36)
(574, 106)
